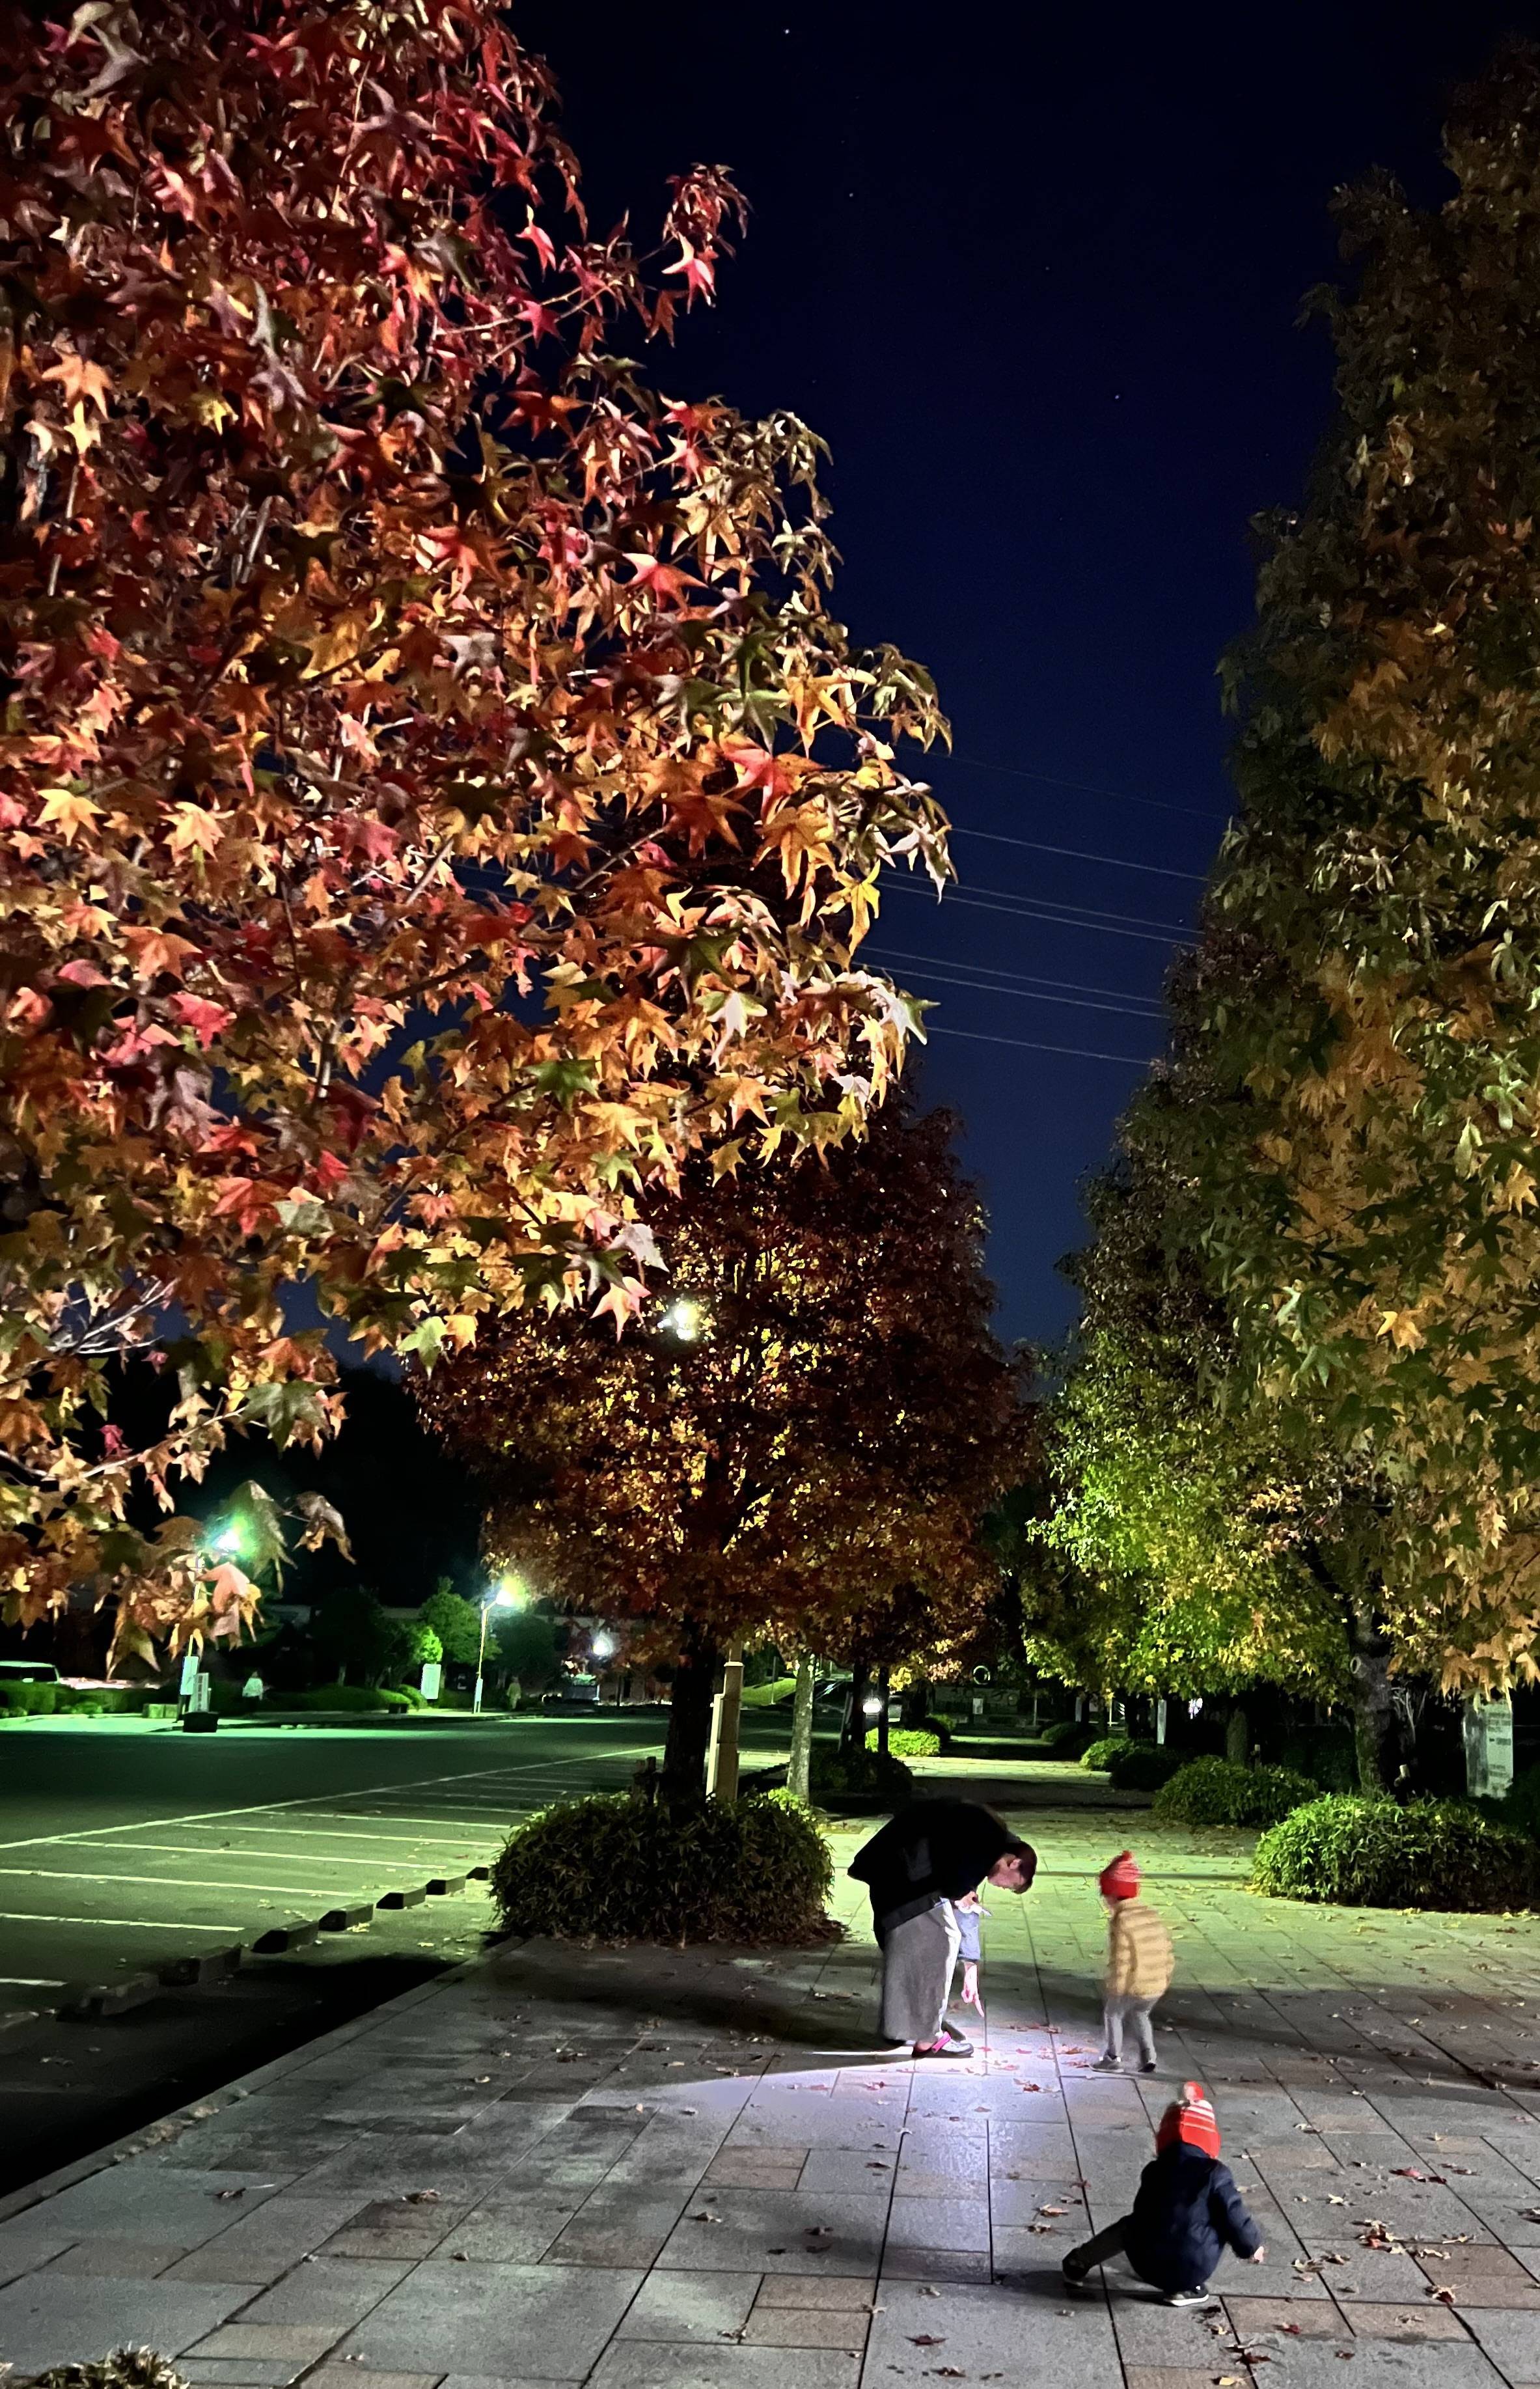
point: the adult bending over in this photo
(931, 1853)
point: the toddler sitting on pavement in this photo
(1186, 2213)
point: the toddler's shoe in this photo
(1185, 2297)
(1108, 2065)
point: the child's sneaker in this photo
(1185, 2297)
(1149, 2065)
(1074, 2275)
(1108, 2065)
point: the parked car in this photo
(573, 1692)
(28, 1671)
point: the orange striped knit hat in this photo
(1191, 2120)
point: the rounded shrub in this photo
(1359, 1852)
(1226, 1792)
(866, 1775)
(620, 1867)
(1067, 1737)
(358, 1698)
(1144, 1766)
(29, 1700)
(909, 1742)
(1100, 1755)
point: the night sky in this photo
(1035, 277)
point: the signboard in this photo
(188, 1684)
(1488, 1747)
(1160, 1721)
(432, 1680)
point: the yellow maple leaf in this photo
(69, 812)
(194, 828)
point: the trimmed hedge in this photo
(1227, 1792)
(868, 1772)
(359, 1698)
(18, 1699)
(909, 1742)
(1145, 1765)
(1067, 1737)
(1103, 1753)
(620, 1867)
(1376, 1853)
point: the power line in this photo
(1071, 986)
(1031, 1045)
(1031, 995)
(1079, 854)
(1021, 911)
(1117, 796)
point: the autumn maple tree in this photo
(434, 796)
(795, 1444)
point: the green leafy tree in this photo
(523, 1643)
(355, 1637)
(1173, 1549)
(455, 1621)
(1350, 1122)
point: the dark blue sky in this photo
(1034, 274)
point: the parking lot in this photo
(127, 1847)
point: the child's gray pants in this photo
(1120, 2008)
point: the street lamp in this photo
(685, 1319)
(507, 1593)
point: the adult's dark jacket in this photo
(1186, 2213)
(933, 1849)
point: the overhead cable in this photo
(1080, 854)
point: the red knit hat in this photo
(1121, 1879)
(1191, 2120)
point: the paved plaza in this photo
(683, 2170)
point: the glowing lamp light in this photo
(603, 1646)
(684, 1319)
(873, 1707)
(229, 1542)
(507, 1592)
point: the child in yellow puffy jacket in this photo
(1139, 1966)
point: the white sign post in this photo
(432, 1680)
(1160, 1720)
(1488, 1728)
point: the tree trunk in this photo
(689, 1714)
(914, 1703)
(881, 1712)
(1375, 1737)
(1237, 1734)
(799, 1765)
(853, 1733)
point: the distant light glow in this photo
(874, 1707)
(508, 1592)
(229, 1540)
(603, 1646)
(684, 1319)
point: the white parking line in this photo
(165, 1882)
(191, 1850)
(30, 1982)
(317, 1799)
(344, 1833)
(110, 1924)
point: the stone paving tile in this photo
(691, 2305)
(58, 2318)
(117, 2260)
(512, 2231)
(774, 2231)
(640, 2364)
(334, 2291)
(235, 2373)
(806, 2327)
(469, 2318)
